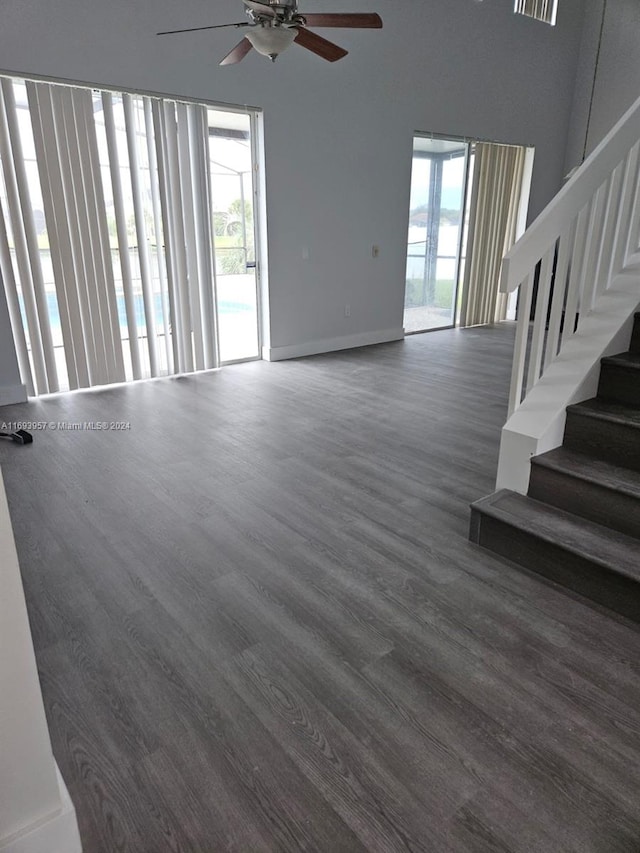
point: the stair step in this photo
(606, 430)
(620, 378)
(635, 335)
(591, 488)
(601, 564)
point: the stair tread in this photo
(585, 467)
(609, 411)
(615, 551)
(624, 359)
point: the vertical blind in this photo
(541, 10)
(495, 197)
(125, 191)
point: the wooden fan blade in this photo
(260, 8)
(238, 53)
(316, 44)
(196, 29)
(366, 20)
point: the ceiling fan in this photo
(276, 24)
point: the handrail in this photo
(585, 237)
(575, 194)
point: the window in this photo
(541, 10)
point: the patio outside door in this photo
(434, 244)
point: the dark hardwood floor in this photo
(259, 624)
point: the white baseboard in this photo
(362, 339)
(10, 394)
(57, 833)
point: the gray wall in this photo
(617, 82)
(337, 136)
(577, 135)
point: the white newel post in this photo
(36, 814)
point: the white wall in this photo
(36, 815)
(338, 136)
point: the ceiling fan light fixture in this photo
(270, 40)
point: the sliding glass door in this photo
(127, 245)
(232, 160)
(434, 244)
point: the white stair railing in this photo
(585, 237)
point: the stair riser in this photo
(589, 500)
(619, 384)
(614, 442)
(554, 562)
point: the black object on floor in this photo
(21, 436)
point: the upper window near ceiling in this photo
(541, 10)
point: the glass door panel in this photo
(438, 178)
(232, 192)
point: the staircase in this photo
(579, 523)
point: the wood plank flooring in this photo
(259, 624)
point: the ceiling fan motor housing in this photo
(271, 39)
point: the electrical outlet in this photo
(347, 310)
(375, 251)
(305, 254)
